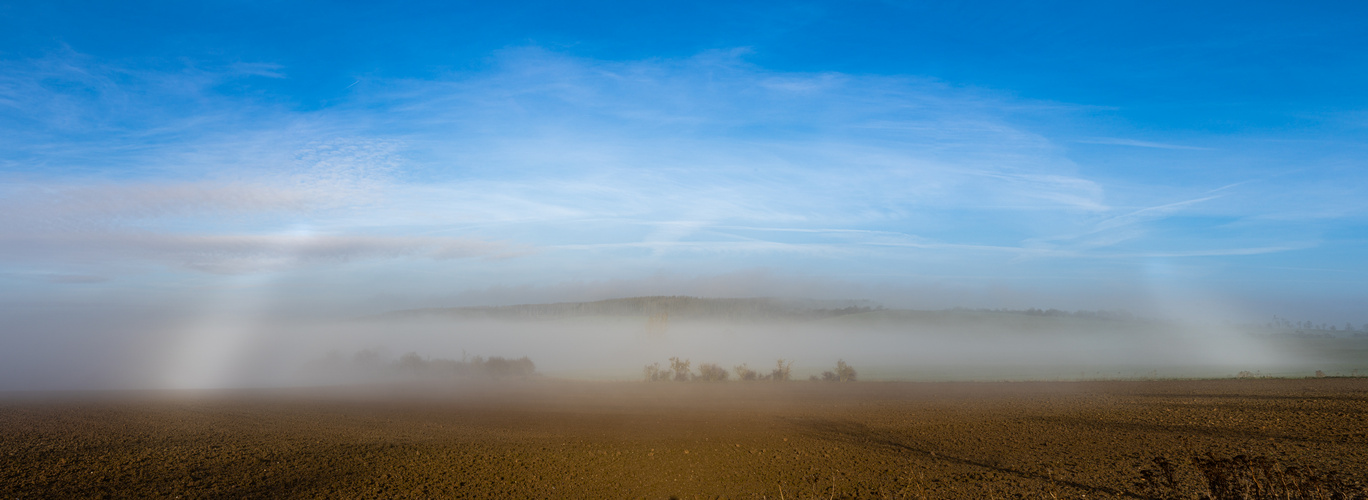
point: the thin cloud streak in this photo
(1112, 141)
(235, 254)
(682, 163)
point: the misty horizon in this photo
(754, 249)
(612, 339)
(206, 197)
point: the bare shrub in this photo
(843, 373)
(781, 371)
(370, 364)
(710, 372)
(495, 367)
(745, 373)
(412, 364)
(499, 368)
(523, 367)
(680, 369)
(653, 373)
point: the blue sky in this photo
(1161, 157)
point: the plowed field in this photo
(554, 439)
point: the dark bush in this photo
(745, 373)
(781, 371)
(500, 368)
(680, 369)
(843, 373)
(653, 373)
(413, 364)
(368, 364)
(709, 372)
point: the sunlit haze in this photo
(212, 194)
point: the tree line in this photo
(372, 363)
(679, 370)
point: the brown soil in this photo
(623, 440)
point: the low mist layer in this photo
(621, 339)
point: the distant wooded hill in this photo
(673, 307)
(846, 314)
(732, 309)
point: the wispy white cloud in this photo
(69, 98)
(77, 206)
(57, 278)
(1114, 141)
(713, 140)
(234, 254)
(1147, 213)
(1114, 229)
(1220, 252)
(572, 155)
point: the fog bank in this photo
(615, 339)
